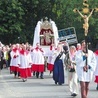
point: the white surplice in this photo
(80, 63)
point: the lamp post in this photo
(19, 39)
(85, 11)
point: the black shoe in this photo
(33, 73)
(96, 88)
(41, 78)
(37, 76)
(74, 94)
(60, 83)
(24, 80)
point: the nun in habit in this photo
(58, 70)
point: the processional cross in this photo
(86, 10)
(85, 17)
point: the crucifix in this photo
(86, 17)
(86, 21)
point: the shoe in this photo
(74, 94)
(37, 76)
(24, 80)
(41, 78)
(96, 88)
(60, 83)
(33, 73)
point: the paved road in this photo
(36, 88)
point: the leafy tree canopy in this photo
(18, 18)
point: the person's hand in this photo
(19, 65)
(70, 66)
(86, 54)
(30, 64)
(73, 62)
(74, 67)
(15, 56)
(85, 68)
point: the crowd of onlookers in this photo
(5, 54)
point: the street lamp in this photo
(18, 39)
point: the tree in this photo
(19, 18)
(11, 21)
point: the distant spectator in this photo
(78, 47)
(1, 58)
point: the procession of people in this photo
(27, 61)
(59, 58)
